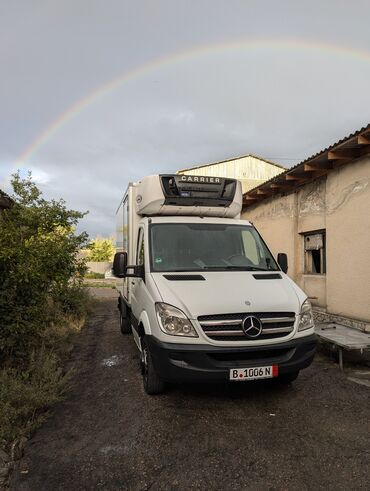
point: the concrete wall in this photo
(250, 170)
(339, 204)
(99, 267)
(275, 220)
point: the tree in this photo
(101, 249)
(40, 268)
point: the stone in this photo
(17, 448)
(4, 470)
(4, 457)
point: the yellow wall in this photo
(340, 204)
(348, 220)
(250, 170)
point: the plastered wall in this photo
(348, 240)
(339, 204)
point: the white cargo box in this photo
(189, 195)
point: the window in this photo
(250, 247)
(140, 248)
(314, 252)
(208, 247)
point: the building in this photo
(249, 169)
(318, 212)
(5, 201)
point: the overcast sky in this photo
(281, 80)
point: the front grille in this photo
(228, 327)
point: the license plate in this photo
(254, 373)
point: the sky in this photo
(95, 94)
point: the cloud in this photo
(282, 104)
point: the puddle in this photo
(112, 361)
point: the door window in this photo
(140, 248)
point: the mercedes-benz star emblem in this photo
(252, 326)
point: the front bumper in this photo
(200, 363)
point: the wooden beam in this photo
(301, 176)
(343, 153)
(336, 155)
(310, 167)
(363, 140)
(250, 198)
(318, 166)
(281, 185)
(291, 177)
(262, 192)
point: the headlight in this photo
(305, 316)
(173, 321)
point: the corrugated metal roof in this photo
(230, 160)
(349, 143)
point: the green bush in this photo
(25, 395)
(42, 304)
(40, 269)
(101, 249)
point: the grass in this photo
(106, 283)
(90, 275)
(27, 394)
(100, 285)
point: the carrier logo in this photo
(199, 179)
(252, 327)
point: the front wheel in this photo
(124, 324)
(153, 383)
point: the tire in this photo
(288, 378)
(153, 383)
(124, 323)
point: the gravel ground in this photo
(108, 434)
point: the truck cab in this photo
(203, 296)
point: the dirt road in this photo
(109, 435)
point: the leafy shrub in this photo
(42, 304)
(40, 268)
(25, 395)
(101, 249)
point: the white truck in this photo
(201, 293)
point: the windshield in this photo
(208, 246)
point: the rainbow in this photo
(178, 57)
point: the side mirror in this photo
(120, 264)
(282, 260)
(137, 271)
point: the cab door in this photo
(137, 285)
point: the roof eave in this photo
(342, 152)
